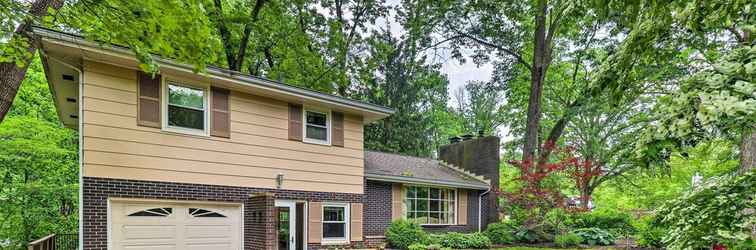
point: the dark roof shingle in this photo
(380, 165)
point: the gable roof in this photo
(71, 46)
(390, 167)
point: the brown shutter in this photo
(295, 122)
(355, 217)
(315, 223)
(221, 124)
(148, 103)
(397, 202)
(337, 139)
(462, 207)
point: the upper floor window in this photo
(317, 127)
(430, 205)
(186, 108)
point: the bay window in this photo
(430, 205)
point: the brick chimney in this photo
(480, 156)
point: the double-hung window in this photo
(430, 205)
(317, 127)
(335, 223)
(186, 108)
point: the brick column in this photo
(260, 222)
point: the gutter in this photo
(233, 76)
(413, 180)
(81, 142)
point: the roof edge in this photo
(466, 172)
(413, 180)
(219, 72)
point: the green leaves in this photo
(720, 211)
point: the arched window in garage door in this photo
(199, 212)
(153, 212)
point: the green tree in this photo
(38, 167)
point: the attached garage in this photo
(171, 225)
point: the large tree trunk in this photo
(11, 75)
(748, 150)
(536, 86)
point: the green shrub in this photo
(612, 221)
(650, 234)
(712, 212)
(403, 233)
(418, 246)
(465, 241)
(523, 234)
(567, 240)
(595, 236)
(500, 233)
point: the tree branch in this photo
(510, 52)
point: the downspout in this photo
(81, 155)
(480, 208)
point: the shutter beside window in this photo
(397, 202)
(355, 217)
(462, 207)
(315, 223)
(295, 122)
(221, 123)
(337, 139)
(148, 103)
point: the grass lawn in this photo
(534, 248)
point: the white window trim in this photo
(454, 211)
(347, 222)
(164, 107)
(328, 126)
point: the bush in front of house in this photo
(595, 236)
(500, 233)
(615, 222)
(567, 240)
(650, 234)
(403, 233)
(465, 241)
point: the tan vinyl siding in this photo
(259, 149)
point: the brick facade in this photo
(259, 224)
(378, 211)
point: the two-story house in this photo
(223, 160)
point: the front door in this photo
(290, 228)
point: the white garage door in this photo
(159, 225)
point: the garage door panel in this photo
(171, 225)
(208, 246)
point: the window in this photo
(153, 212)
(316, 126)
(198, 212)
(430, 205)
(186, 109)
(335, 221)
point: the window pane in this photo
(185, 96)
(422, 217)
(185, 117)
(333, 214)
(434, 193)
(334, 230)
(434, 218)
(412, 204)
(316, 118)
(317, 133)
(411, 192)
(422, 205)
(422, 193)
(435, 205)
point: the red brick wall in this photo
(259, 232)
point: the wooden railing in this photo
(46, 243)
(56, 242)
